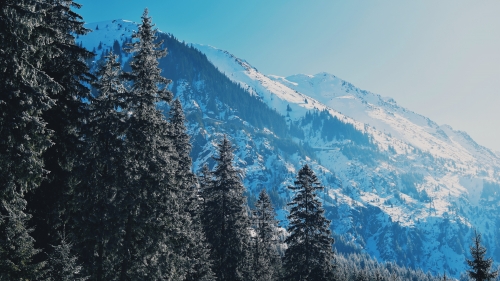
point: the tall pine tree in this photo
(96, 218)
(24, 88)
(153, 206)
(196, 247)
(63, 264)
(309, 255)
(225, 218)
(64, 62)
(480, 266)
(266, 262)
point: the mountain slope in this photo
(398, 186)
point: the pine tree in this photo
(266, 262)
(180, 139)
(96, 220)
(480, 267)
(156, 223)
(63, 264)
(309, 255)
(24, 88)
(64, 61)
(225, 218)
(196, 248)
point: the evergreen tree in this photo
(225, 218)
(480, 267)
(309, 255)
(196, 247)
(266, 262)
(64, 61)
(156, 224)
(24, 88)
(63, 265)
(96, 220)
(182, 146)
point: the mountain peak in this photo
(390, 175)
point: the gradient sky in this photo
(440, 58)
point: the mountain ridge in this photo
(398, 186)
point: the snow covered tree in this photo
(64, 61)
(266, 262)
(156, 223)
(480, 266)
(96, 219)
(225, 218)
(24, 88)
(180, 139)
(196, 248)
(309, 255)
(63, 264)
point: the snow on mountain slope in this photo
(105, 33)
(398, 185)
(325, 91)
(385, 114)
(454, 168)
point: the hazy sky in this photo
(438, 58)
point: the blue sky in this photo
(438, 58)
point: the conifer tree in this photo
(24, 88)
(96, 220)
(480, 266)
(266, 262)
(225, 218)
(182, 146)
(64, 61)
(156, 223)
(63, 264)
(196, 247)
(309, 255)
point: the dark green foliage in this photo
(24, 98)
(333, 128)
(16, 244)
(64, 62)
(96, 216)
(196, 247)
(480, 266)
(117, 49)
(225, 218)
(180, 139)
(362, 267)
(63, 264)
(266, 262)
(154, 229)
(309, 255)
(191, 65)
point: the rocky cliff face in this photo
(397, 185)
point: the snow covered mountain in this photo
(397, 185)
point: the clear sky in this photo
(438, 58)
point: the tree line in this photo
(100, 186)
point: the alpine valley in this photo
(398, 186)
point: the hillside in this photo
(398, 186)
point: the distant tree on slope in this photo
(480, 266)
(225, 217)
(266, 262)
(309, 255)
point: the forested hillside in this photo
(128, 163)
